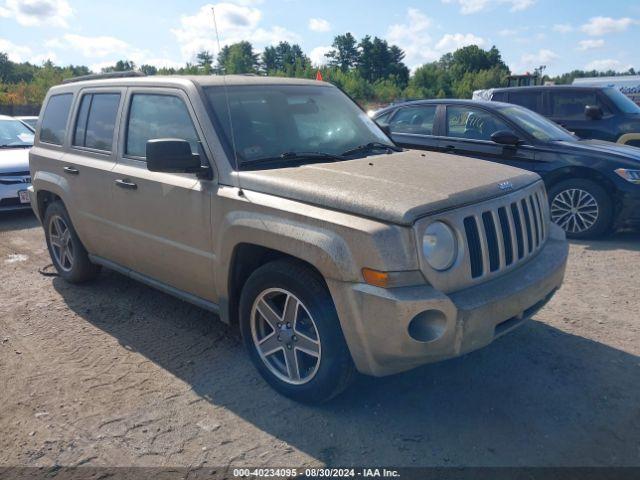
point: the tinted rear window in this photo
(530, 100)
(96, 121)
(54, 120)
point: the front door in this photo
(567, 107)
(166, 216)
(468, 133)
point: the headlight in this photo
(632, 176)
(439, 246)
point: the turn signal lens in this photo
(392, 279)
(376, 278)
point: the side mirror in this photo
(171, 155)
(505, 137)
(593, 112)
(386, 129)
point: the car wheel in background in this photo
(67, 253)
(581, 208)
(291, 329)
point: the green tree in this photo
(344, 53)
(205, 61)
(120, 66)
(148, 69)
(238, 58)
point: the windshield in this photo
(624, 103)
(270, 121)
(14, 133)
(536, 125)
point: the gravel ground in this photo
(115, 373)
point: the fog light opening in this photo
(428, 326)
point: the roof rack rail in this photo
(100, 76)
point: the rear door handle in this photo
(71, 170)
(126, 184)
(449, 148)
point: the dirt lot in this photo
(115, 373)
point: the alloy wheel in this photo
(285, 336)
(61, 244)
(574, 210)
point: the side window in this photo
(157, 116)
(472, 123)
(570, 104)
(530, 100)
(416, 120)
(383, 120)
(54, 120)
(96, 121)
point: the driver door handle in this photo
(71, 170)
(122, 183)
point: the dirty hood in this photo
(396, 188)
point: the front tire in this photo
(68, 255)
(290, 327)
(581, 207)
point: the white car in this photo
(15, 141)
(29, 121)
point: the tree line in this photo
(370, 70)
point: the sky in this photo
(561, 34)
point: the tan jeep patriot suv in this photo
(279, 205)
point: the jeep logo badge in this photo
(505, 186)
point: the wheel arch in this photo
(246, 259)
(586, 173)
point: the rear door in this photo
(415, 126)
(527, 98)
(166, 217)
(468, 133)
(88, 168)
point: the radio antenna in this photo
(226, 95)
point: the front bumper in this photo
(376, 321)
(9, 197)
(628, 206)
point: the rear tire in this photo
(581, 207)
(68, 255)
(304, 355)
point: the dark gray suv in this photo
(602, 113)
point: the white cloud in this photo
(319, 25)
(112, 48)
(90, 47)
(563, 27)
(608, 64)
(474, 6)
(590, 44)
(33, 13)
(317, 55)
(235, 23)
(508, 32)
(598, 26)
(529, 61)
(414, 38)
(16, 53)
(450, 42)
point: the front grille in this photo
(13, 178)
(506, 235)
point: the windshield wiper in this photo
(370, 147)
(287, 157)
(13, 145)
